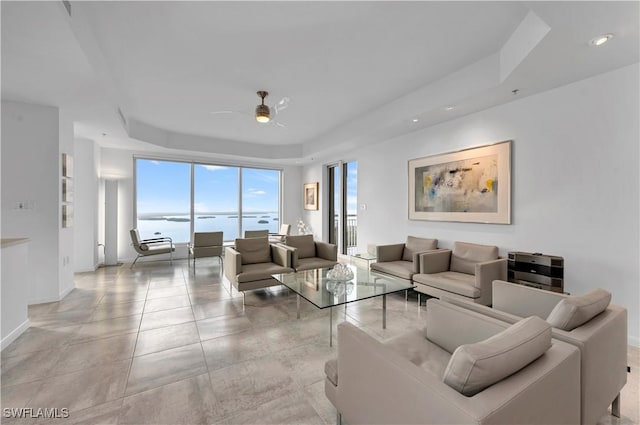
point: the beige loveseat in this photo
(250, 264)
(439, 375)
(602, 340)
(307, 254)
(402, 259)
(465, 272)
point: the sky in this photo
(164, 187)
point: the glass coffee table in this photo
(313, 286)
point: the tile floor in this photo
(162, 345)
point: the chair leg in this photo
(615, 406)
(419, 299)
(338, 418)
(134, 261)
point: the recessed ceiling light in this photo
(415, 120)
(601, 39)
(449, 108)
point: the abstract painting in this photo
(473, 185)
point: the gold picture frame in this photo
(310, 196)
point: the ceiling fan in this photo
(263, 113)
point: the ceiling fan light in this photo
(263, 114)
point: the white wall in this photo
(118, 164)
(574, 183)
(87, 154)
(31, 176)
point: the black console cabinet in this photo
(537, 270)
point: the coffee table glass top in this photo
(314, 286)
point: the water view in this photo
(178, 226)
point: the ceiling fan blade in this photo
(278, 124)
(221, 112)
(281, 105)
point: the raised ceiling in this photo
(356, 72)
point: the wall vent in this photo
(67, 5)
(124, 120)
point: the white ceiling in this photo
(356, 72)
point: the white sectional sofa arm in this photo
(523, 301)
(392, 252)
(436, 261)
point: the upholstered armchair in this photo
(402, 259)
(206, 244)
(588, 322)
(464, 368)
(147, 247)
(256, 233)
(307, 254)
(250, 264)
(465, 272)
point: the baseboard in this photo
(65, 292)
(14, 334)
(633, 340)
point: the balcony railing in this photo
(351, 235)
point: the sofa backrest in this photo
(254, 250)
(465, 256)
(304, 243)
(450, 326)
(413, 245)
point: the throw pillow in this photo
(572, 312)
(474, 367)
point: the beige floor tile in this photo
(305, 363)
(86, 388)
(321, 404)
(172, 291)
(215, 309)
(102, 414)
(157, 369)
(95, 353)
(107, 328)
(266, 315)
(16, 396)
(29, 367)
(222, 326)
(167, 337)
(297, 333)
(246, 385)
(160, 319)
(61, 319)
(167, 303)
(291, 409)
(189, 401)
(37, 339)
(228, 350)
(113, 311)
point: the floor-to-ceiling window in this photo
(260, 199)
(215, 200)
(163, 205)
(343, 205)
(176, 198)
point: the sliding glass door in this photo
(342, 181)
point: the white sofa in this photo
(602, 341)
(402, 381)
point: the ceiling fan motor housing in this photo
(262, 111)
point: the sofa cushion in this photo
(414, 245)
(254, 250)
(304, 243)
(311, 263)
(413, 346)
(260, 271)
(474, 367)
(465, 256)
(456, 283)
(401, 269)
(572, 312)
